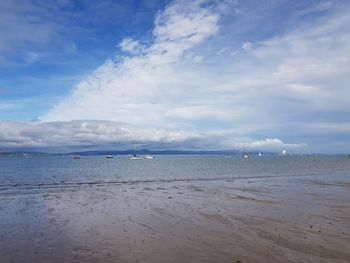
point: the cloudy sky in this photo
(216, 74)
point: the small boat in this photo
(149, 157)
(76, 157)
(136, 157)
(260, 154)
(109, 156)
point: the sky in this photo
(272, 75)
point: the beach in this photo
(280, 218)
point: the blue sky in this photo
(47, 47)
(175, 74)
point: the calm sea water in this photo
(58, 170)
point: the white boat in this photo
(76, 157)
(260, 154)
(149, 157)
(136, 158)
(109, 156)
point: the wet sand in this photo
(278, 219)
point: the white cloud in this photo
(247, 46)
(329, 127)
(91, 135)
(81, 133)
(130, 45)
(307, 68)
(270, 144)
(143, 88)
(198, 112)
(303, 72)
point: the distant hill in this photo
(133, 151)
(158, 152)
(26, 154)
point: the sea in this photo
(20, 174)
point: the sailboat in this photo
(245, 156)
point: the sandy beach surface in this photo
(266, 219)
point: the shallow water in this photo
(89, 169)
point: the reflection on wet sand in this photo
(280, 219)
